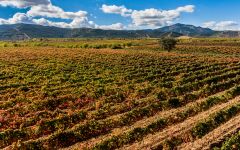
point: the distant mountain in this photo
(10, 32)
(28, 31)
(188, 30)
(171, 34)
(227, 34)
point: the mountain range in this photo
(28, 31)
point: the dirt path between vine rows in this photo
(141, 123)
(217, 134)
(178, 129)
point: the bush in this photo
(232, 143)
(129, 44)
(16, 45)
(5, 45)
(173, 142)
(162, 96)
(168, 43)
(116, 46)
(235, 91)
(25, 89)
(202, 129)
(85, 46)
(174, 102)
(190, 97)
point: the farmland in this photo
(119, 94)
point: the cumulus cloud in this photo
(44, 8)
(76, 23)
(23, 3)
(113, 9)
(54, 12)
(187, 8)
(17, 18)
(40, 11)
(157, 18)
(116, 26)
(148, 17)
(222, 25)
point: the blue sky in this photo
(122, 14)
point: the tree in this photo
(168, 43)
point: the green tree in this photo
(168, 43)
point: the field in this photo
(119, 94)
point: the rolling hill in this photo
(27, 31)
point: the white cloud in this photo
(157, 18)
(187, 8)
(17, 18)
(76, 23)
(149, 17)
(54, 12)
(113, 9)
(40, 11)
(209, 24)
(222, 25)
(45, 22)
(116, 26)
(44, 8)
(23, 3)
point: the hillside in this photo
(26, 31)
(188, 30)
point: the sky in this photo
(122, 14)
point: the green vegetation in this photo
(76, 43)
(168, 44)
(231, 143)
(55, 93)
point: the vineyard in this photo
(89, 94)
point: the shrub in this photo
(235, 91)
(16, 45)
(5, 45)
(116, 46)
(129, 44)
(162, 96)
(168, 43)
(201, 129)
(190, 97)
(174, 102)
(232, 143)
(25, 89)
(173, 142)
(220, 117)
(85, 46)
